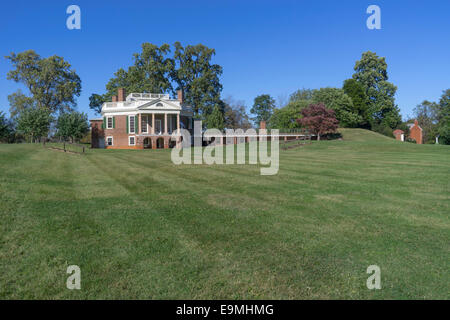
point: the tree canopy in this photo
(51, 82)
(356, 92)
(336, 99)
(154, 70)
(263, 108)
(319, 120)
(34, 123)
(443, 117)
(6, 128)
(72, 125)
(371, 73)
(287, 116)
(198, 77)
(215, 119)
(426, 115)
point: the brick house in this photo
(140, 121)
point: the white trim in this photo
(129, 142)
(122, 113)
(112, 141)
(129, 124)
(112, 122)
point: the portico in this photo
(157, 125)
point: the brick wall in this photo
(415, 132)
(120, 135)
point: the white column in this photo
(165, 123)
(153, 123)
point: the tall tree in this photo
(198, 77)
(336, 99)
(34, 123)
(52, 84)
(356, 92)
(319, 120)
(73, 125)
(263, 108)
(371, 72)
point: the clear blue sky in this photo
(270, 47)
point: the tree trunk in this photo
(318, 137)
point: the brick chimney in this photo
(415, 132)
(180, 95)
(121, 94)
(114, 98)
(262, 125)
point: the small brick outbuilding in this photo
(399, 135)
(415, 132)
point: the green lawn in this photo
(141, 227)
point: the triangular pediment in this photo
(158, 104)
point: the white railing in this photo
(118, 104)
(148, 96)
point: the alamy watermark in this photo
(234, 147)
(374, 281)
(374, 20)
(74, 280)
(74, 20)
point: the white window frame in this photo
(107, 123)
(144, 124)
(112, 141)
(129, 140)
(134, 124)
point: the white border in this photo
(129, 143)
(112, 141)
(112, 122)
(129, 124)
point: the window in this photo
(144, 123)
(159, 104)
(131, 141)
(132, 126)
(110, 123)
(109, 141)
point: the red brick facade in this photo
(415, 132)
